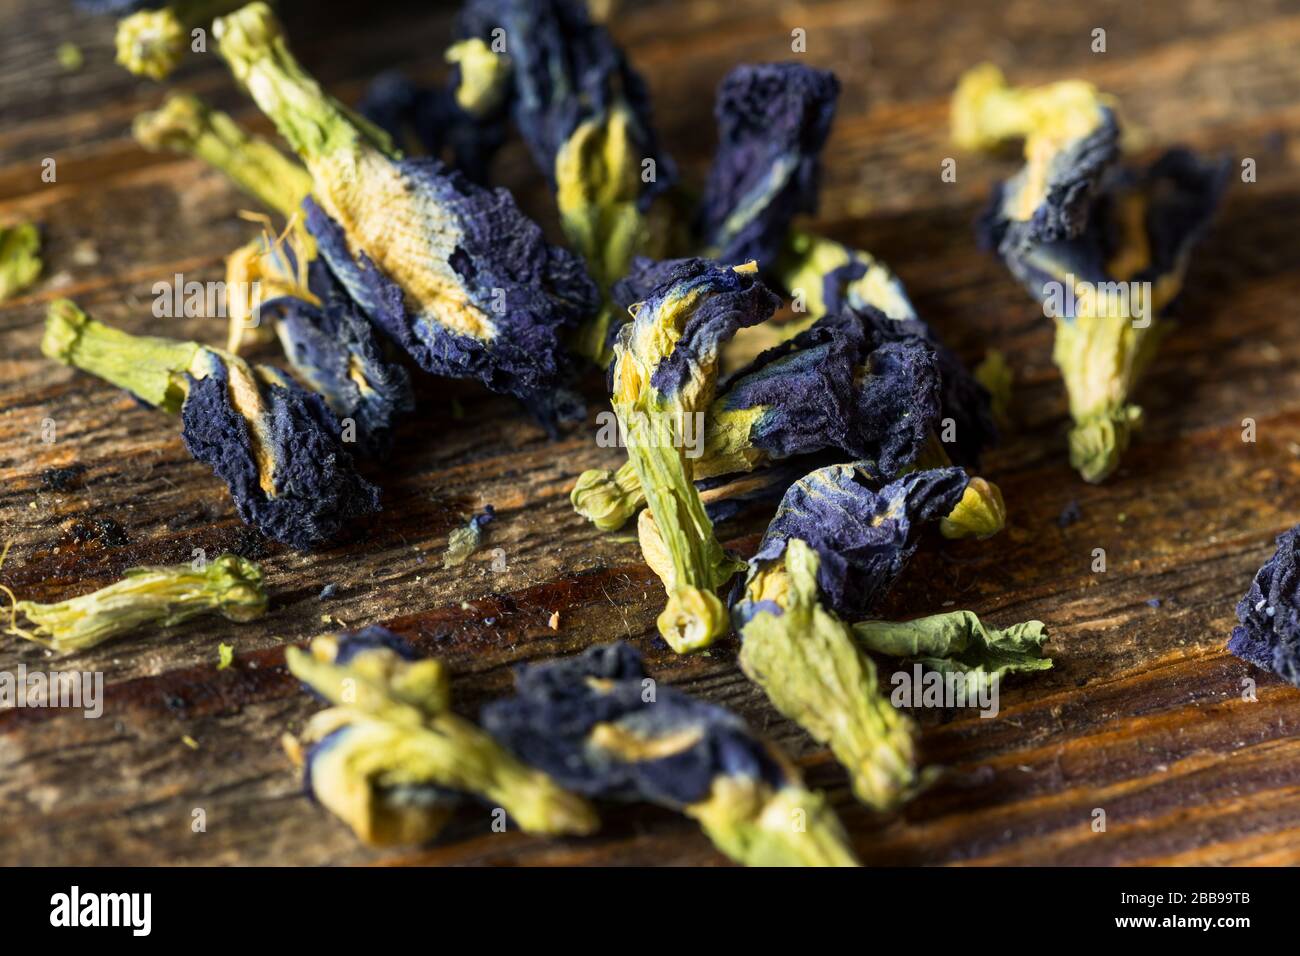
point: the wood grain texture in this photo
(1142, 714)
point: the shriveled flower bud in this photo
(276, 445)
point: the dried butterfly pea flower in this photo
(276, 445)
(836, 545)
(773, 120)
(857, 382)
(456, 274)
(864, 533)
(328, 343)
(1104, 249)
(1071, 139)
(1269, 633)
(601, 728)
(20, 258)
(391, 760)
(152, 42)
(230, 586)
(959, 642)
(1107, 289)
(585, 115)
(664, 374)
(827, 277)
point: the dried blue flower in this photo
(811, 668)
(836, 545)
(276, 445)
(585, 115)
(664, 376)
(327, 342)
(773, 120)
(455, 274)
(601, 728)
(857, 382)
(1269, 633)
(826, 277)
(392, 761)
(1104, 249)
(864, 533)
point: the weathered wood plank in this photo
(1142, 714)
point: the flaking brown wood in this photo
(1142, 714)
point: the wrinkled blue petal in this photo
(773, 120)
(317, 489)
(863, 533)
(548, 725)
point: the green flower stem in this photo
(230, 586)
(958, 641)
(184, 124)
(315, 124)
(812, 670)
(151, 368)
(693, 564)
(758, 827)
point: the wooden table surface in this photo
(1141, 716)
